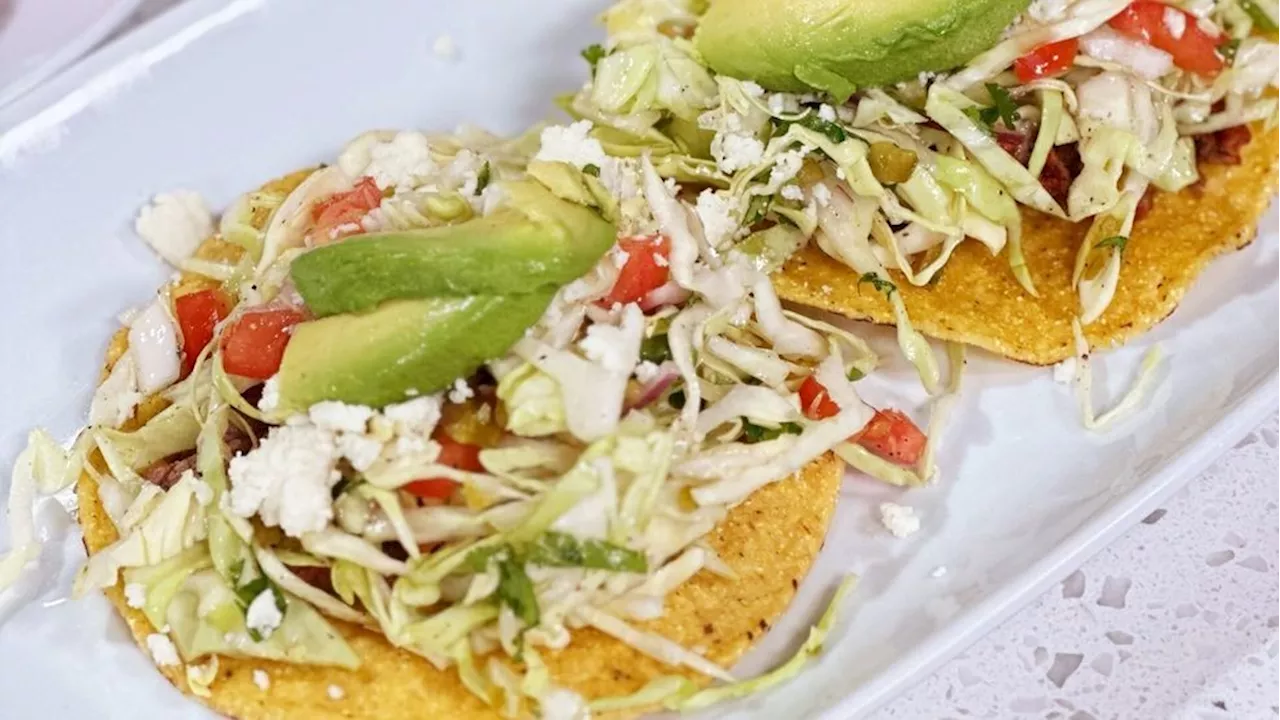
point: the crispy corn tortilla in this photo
(976, 300)
(770, 541)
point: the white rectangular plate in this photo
(218, 97)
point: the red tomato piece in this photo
(644, 271)
(1193, 50)
(1047, 60)
(431, 488)
(198, 314)
(253, 346)
(892, 436)
(463, 456)
(345, 209)
(815, 403)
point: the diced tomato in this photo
(815, 403)
(1194, 50)
(254, 346)
(198, 314)
(462, 456)
(644, 271)
(892, 436)
(432, 488)
(1047, 60)
(345, 209)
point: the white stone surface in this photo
(1177, 619)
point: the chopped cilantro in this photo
(555, 549)
(1005, 108)
(655, 349)
(752, 433)
(1116, 241)
(593, 54)
(855, 374)
(810, 120)
(1229, 49)
(592, 170)
(879, 283)
(676, 399)
(483, 177)
(757, 209)
(515, 590)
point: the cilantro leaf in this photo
(1003, 106)
(810, 120)
(593, 54)
(752, 433)
(655, 349)
(555, 549)
(1116, 241)
(855, 374)
(515, 590)
(879, 283)
(592, 170)
(483, 177)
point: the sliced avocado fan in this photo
(836, 46)
(407, 313)
(402, 349)
(536, 242)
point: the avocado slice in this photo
(535, 242)
(402, 349)
(838, 45)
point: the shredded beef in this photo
(316, 577)
(167, 471)
(1222, 147)
(1017, 144)
(1060, 169)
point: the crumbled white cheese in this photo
(445, 48)
(821, 194)
(175, 224)
(270, 399)
(571, 144)
(562, 704)
(714, 211)
(415, 417)
(752, 89)
(153, 343)
(901, 520)
(162, 650)
(736, 150)
(608, 346)
(261, 679)
(938, 572)
(621, 177)
(359, 450)
(338, 416)
(660, 260)
(792, 192)
(785, 167)
(403, 162)
(115, 399)
(463, 172)
(286, 480)
(135, 595)
(1175, 22)
(263, 615)
(336, 693)
(646, 371)
(826, 112)
(461, 392)
(840, 174)
(1064, 373)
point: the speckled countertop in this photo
(1178, 619)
